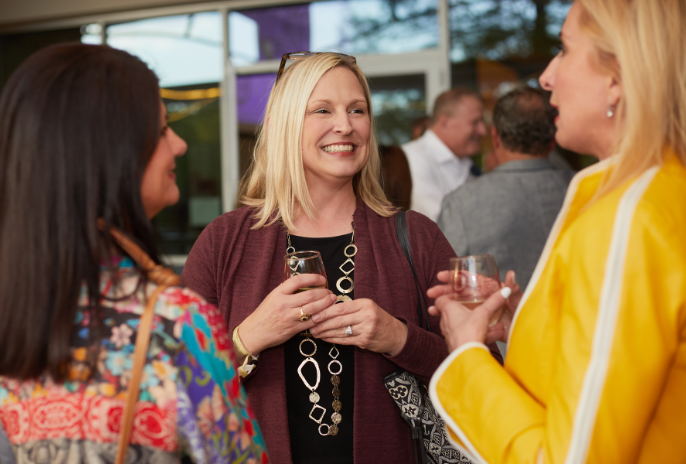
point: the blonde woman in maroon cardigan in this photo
(313, 181)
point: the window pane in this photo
(194, 115)
(252, 92)
(186, 53)
(347, 26)
(182, 50)
(498, 44)
(496, 30)
(91, 34)
(397, 101)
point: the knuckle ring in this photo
(348, 331)
(303, 316)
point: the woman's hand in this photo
(461, 325)
(373, 328)
(498, 332)
(276, 319)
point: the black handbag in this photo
(412, 396)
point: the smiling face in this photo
(462, 129)
(336, 128)
(582, 91)
(158, 186)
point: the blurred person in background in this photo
(509, 212)
(490, 162)
(439, 159)
(313, 185)
(419, 126)
(396, 179)
(596, 364)
(83, 139)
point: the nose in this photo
(179, 145)
(342, 122)
(547, 79)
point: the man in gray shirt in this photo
(510, 211)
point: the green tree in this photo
(498, 29)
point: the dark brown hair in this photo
(78, 125)
(525, 121)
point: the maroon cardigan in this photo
(235, 268)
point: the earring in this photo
(610, 111)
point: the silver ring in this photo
(348, 331)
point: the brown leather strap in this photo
(157, 273)
(139, 357)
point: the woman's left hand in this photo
(461, 325)
(372, 328)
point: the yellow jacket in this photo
(596, 365)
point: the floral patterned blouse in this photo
(191, 400)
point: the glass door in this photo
(186, 53)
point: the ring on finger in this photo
(348, 331)
(303, 316)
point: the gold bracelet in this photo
(250, 363)
(238, 344)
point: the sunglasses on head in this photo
(296, 56)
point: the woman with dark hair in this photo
(84, 150)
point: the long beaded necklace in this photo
(318, 412)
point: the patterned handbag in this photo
(412, 396)
(416, 408)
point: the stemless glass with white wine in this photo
(473, 279)
(304, 262)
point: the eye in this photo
(321, 111)
(358, 111)
(163, 131)
(559, 50)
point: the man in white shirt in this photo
(439, 160)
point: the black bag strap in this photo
(404, 239)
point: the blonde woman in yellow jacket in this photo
(596, 364)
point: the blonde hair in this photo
(275, 184)
(642, 44)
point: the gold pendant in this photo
(341, 289)
(302, 377)
(342, 299)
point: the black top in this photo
(307, 445)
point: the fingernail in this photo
(315, 318)
(505, 292)
(514, 278)
(431, 307)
